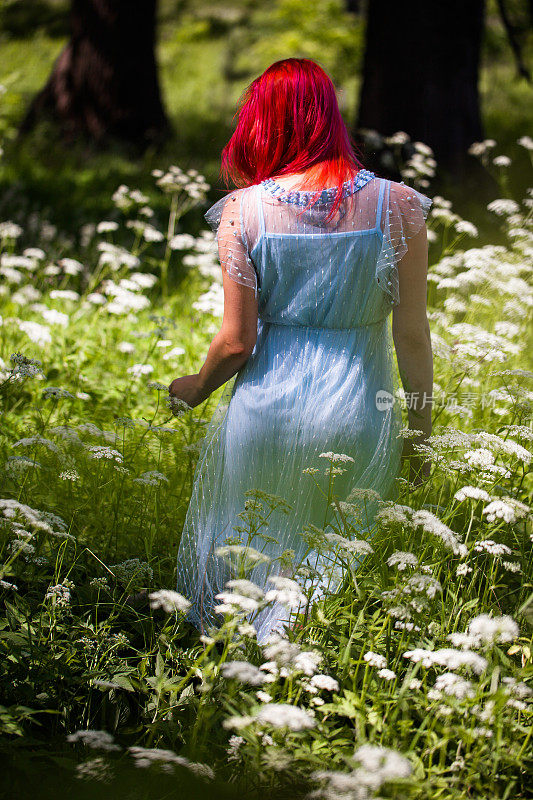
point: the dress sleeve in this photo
(227, 217)
(405, 211)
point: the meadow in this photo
(411, 681)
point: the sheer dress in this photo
(319, 380)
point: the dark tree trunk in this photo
(420, 74)
(353, 6)
(104, 83)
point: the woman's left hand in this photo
(186, 388)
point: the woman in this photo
(316, 252)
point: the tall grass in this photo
(410, 681)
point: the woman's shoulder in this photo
(229, 208)
(408, 200)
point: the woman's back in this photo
(312, 386)
(314, 271)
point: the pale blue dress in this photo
(320, 380)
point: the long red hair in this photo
(289, 121)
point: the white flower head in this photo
(375, 660)
(169, 601)
(101, 740)
(244, 672)
(287, 592)
(284, 715)
(325, 682)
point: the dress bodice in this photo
(317, 276)
(309, 266)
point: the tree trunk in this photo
(104, 83)
(420, 75)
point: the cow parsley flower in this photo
(100, 740)
(388, 674)
(59, 594)
(287, 592)
(140, 369)
(234, 603)
(244, 672)
(64, 294)
(100, 451)
(284, 715)
(379, 765)
(493, 548)
(151, 478)
(433, 525)
(402, 560)
(453, 685)
(39, 334)
(485, 630)
(447, 657)
(506, 508)
(307, 661)
(146, 756)
(472, 493)
(325, 682)
(246, 588)
(375, 660)
(169, 601)
(336, 458)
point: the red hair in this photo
(289, 121)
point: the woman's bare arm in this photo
(233, 344)
(412, 339)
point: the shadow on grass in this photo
(72, 185)
(53, 776)
(21, 18)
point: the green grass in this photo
(206, 60)
(106, 661)
(100, 660)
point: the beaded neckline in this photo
(301, 198)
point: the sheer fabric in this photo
(321, 379)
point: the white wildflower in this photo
(234, 603)
(493, 548)
(169, 601)
(485, 630)
(286, 592)
(244, 672)
(39, 334)
(174, 353)
(451, 684)
(433, 525)
(325, 682)
(447, 657)
(336, 458)
(388, 674)
(375, 659)
(284, 715)
(65, 294)
(506, 508)
(246, 588)
(100, 451)
(106, 227)
(60, 594)
(402, 560)
(471, 492)
(140, 369)
(126, 347)
(100, 740)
